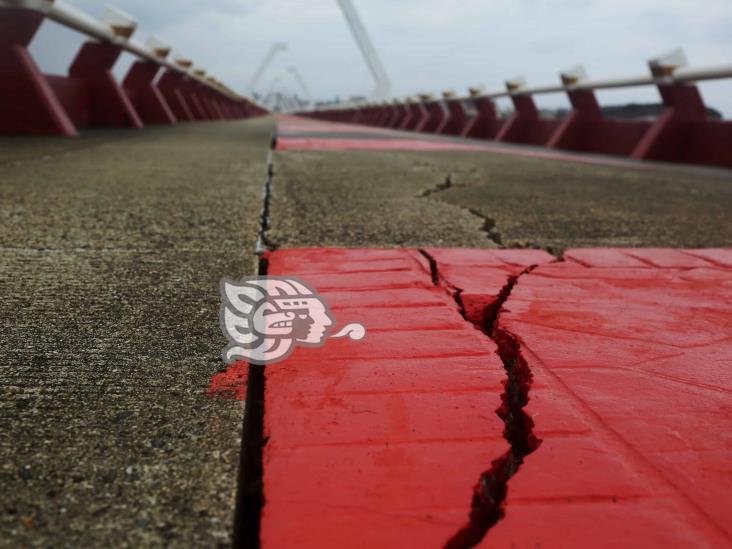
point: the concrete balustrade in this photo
(682, 133)
(89, 95)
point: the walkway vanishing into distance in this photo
(121, 422)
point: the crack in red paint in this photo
(489, 493)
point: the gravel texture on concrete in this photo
(359, 199)
(111, 250)
(377, 198)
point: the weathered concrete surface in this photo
(111, 250)
(365, 199)
(359, 198)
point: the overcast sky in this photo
(427, 45)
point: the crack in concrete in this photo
(489, 227)
(263, 242)
(250, 484)
(489, 494)
(438, 188)
(489, 224)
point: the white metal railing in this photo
(70, 16)
(667, 69)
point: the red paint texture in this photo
(338, 144)
(383, 437)
(379, 442)
(631, 398)
(480, 275)
(230, 384)
(323, 136)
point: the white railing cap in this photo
(516, 84)
(666, 64)
(476, 91)
(573, 76)
(122, 24)
(183, 62)
(158, 47)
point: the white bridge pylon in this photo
(383, 84)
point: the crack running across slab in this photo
(489, 224)
(489, 493)
(438, 188)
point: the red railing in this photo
(682, 133)
(154, 91)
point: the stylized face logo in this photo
(265, 318)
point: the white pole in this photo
(383, 85)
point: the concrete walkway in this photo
(111, 250)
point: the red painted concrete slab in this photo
(480, 275)
(650, 257)
(388, 435)
(630, 354)
(634, 406)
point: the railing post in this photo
(435, 114)
(409, 115)
(142, 91)
(525, 112)
(419, 116)
(683, 132)
(401, 114)
(170, 85)
(28, 103)
(145, 95)
(106, 104)
(456, 118)
(485, 124)
(585, 109)
(525, 126)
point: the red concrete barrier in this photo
(28, 103)
(525, 126)
(146, 97)
(171, 86)
(682, 133)
(436, 116)
(419, 117)
(485, 124)
(456, 119)
(101, 100)
(90, 96)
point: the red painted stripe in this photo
(399, 140)
(334, 144)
